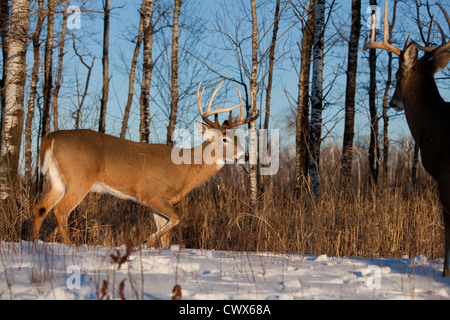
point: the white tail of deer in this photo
(80, 161)
(428, 115)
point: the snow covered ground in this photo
(57, 271)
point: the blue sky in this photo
(208, 45)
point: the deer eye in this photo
(224, 139)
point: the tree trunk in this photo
(276, 20)
(316, 98)
(271, 63)
(48, 68)
(4, 26)
(146, 71)
(302, 120)
(253, 90)
(132, 74)
(386, 106)
(33, 91)
(77, 113)
(174, 75)
(105, 63)
(60, 64)
(373, 144)
(347, 146)
(12, 116)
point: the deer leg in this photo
(446, 272)
(165, 209)
(52, 197)
(444, 192)
(160, 222)
(64, 207)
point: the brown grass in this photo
(383, 221)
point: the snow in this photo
(57, 271)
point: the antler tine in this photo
(212, 97)
(227, 124)
(385, 45)
(240, 118)
(199, 104)
(210, 112)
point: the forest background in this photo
(350, 181)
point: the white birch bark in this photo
(12, 117)
(146, 71)
(174, 73)
(253, 90)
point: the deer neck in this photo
(423, 104)
(203, 170)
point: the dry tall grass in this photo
(384, 221)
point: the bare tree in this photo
(33, 90)
(131, 76)
(347, 146)
(48, 68)
(146, 70)
(316, 97)
(385, 104)
(60, 66)
(276, 20)
(4, 25)
(373, 144)
(174, 73)
(12, 112)
(105, 63)
(81, 95)
(252, 126)
(302, 119)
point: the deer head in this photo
(222, 136)
(414, 75)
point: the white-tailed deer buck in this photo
(427, 114)
(80, 161)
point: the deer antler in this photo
(228, 124)
(385, 45)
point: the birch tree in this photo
(4, 26)
(316, 97)
(252, 126)
(33, 90)
(12, 113)
(146, 71)
(174, 73)
(347, 146)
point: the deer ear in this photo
(205, 130)
(410, 55)
(439, 62)
(202, 128)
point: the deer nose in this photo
(392, 104)
(246, 157)
(398, 106)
